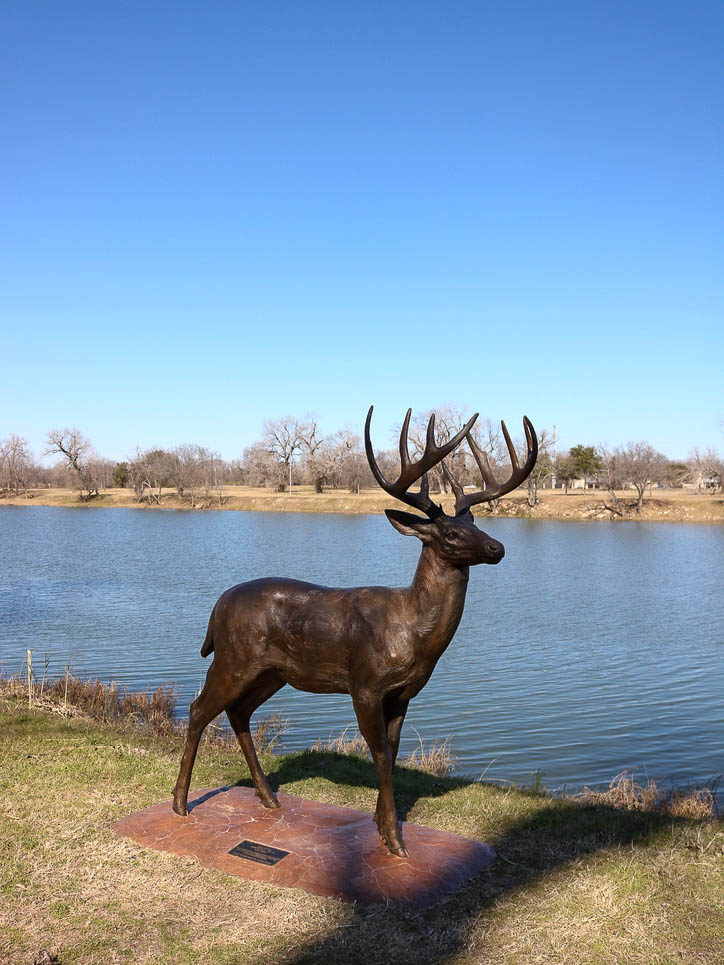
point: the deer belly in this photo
(317, 680)
(313, 669)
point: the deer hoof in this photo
(393, 840)
(268, 799)
(396, 847)
(180, 807)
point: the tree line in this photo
(293, 451)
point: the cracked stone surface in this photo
(333, 851)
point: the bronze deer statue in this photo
(377, 644)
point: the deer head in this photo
(456, 540)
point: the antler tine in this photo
(528, 438)
(481, 457)
(376, 472)
(511, 447)
(453, 483)
(492, 489)
(404, 451)
(430, 444)
(410, 472)
(425, 487)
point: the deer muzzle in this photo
(494, 551)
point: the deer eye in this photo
(453, 535)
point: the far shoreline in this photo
(663, 505)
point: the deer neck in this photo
(438, 596)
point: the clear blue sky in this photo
(216, 213)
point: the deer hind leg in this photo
(394, 710)
(239, 714)
(210, 703)
(371, 720)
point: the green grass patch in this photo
(576, 881)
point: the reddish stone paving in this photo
(333, 851)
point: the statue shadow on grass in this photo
(537, 843)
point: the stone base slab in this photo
(332, 851)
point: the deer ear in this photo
(410, 525)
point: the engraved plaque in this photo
(261, 853)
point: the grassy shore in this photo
(663, 505)
(576, 881)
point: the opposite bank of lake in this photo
(661, 505)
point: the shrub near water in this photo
(147, 712)
(436, 759)
(625, 793)
(113, 704)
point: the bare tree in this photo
(284, 437)
(102, 472)
(317, 456)
(707, 469)
(636, 464)
(449, 420)
(150, 472)
(642, 467)
(349, 467)
(187, 472)
(611, 474)
(16, 463)
(79, 456)
(236, 472)
(197, 473)
(217, 472)
(263, 466)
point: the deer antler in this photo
(410, 472)
(493, 490)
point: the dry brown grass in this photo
(112, 704)
(626, 793)
(437, 758)
(151, 713)
(343, 743)
(267, 734)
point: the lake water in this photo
(592, 648)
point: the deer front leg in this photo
(371, 720)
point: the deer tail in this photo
(208, 645)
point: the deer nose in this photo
(495, 549)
